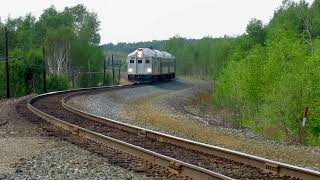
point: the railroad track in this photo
(173, 156)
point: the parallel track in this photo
(183, 157)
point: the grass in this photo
(142, 113)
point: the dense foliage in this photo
(125, 48)
(70, 39)
(273, 74)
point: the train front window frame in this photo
(147, 61)
(132, 61)
(139, 61)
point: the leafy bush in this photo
(57, 83)
(270, 83)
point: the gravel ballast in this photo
(30, 151)
(165, 107)
(70, 162)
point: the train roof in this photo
(153, 53)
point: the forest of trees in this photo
(202, 58)
(267, 76)
(126, 48)
(122, 49)
(70, 40)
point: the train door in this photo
(131, 65)
(140, 66)
(155, 64)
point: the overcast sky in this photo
(142, 20)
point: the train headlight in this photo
(140, 54)
(130, 70)
(149, 70)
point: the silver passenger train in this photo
(149, 64)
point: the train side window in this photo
(139, 61)
(147, 61)
(131, 61)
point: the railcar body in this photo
(149, 64)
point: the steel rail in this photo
(175, 166)
(276, 168)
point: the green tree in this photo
(58, 50)
(256, 31)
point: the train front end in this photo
(139, 66)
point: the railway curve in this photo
(182, 157)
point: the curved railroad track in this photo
(173, 157)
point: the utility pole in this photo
(104, 71)
(72, 76)
(72, 73)
(119, 66)
(112, 69)
(44, 73)
(7, 61)
(88, 73)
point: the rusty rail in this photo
(175, 166)
(277, 168)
